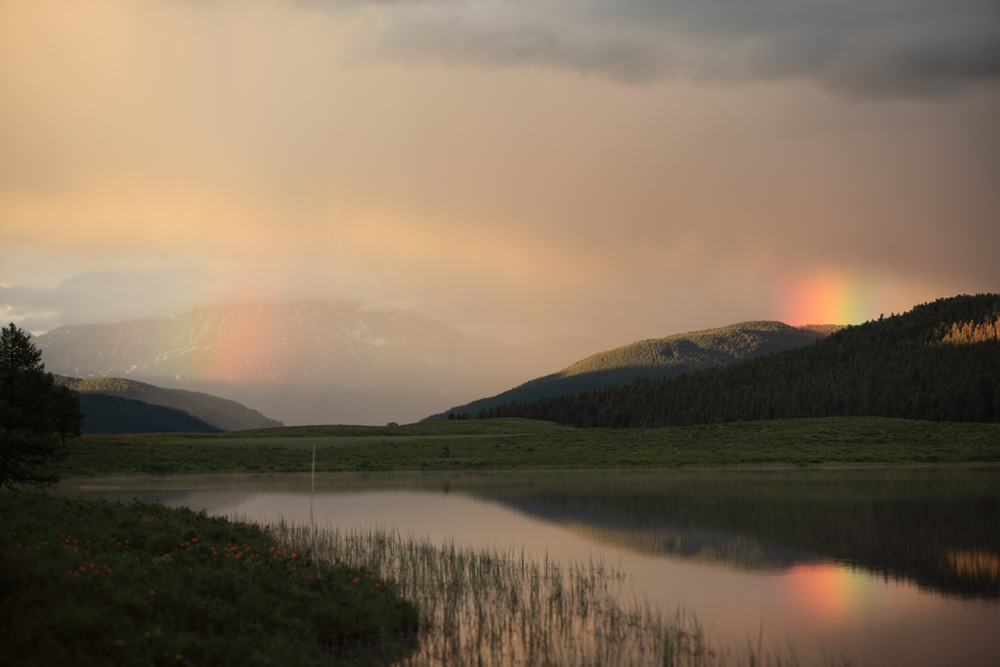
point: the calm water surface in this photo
(888, 566)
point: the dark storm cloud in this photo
(870, 48)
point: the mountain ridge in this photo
(222, 413)
(658, 357)
(938, 362)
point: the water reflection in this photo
(899, 566)
(938, 528)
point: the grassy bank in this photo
(96, 583)
(517, 443)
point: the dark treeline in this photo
(113, 414)
(938, 362)
(656, 358)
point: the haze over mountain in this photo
(306, 362)
(656, 358)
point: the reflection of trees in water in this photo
(938, 528)
(697, 544)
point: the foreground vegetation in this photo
(522, 443)
(97, 583)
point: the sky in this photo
(517, 169)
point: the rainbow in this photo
(829, 592)
(827, 297)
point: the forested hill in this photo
(221, 413)
(938, 362)
(114, 414)
(656, 358)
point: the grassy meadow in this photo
(522, 443)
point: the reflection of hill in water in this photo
(938, 528)
(655, 538)
(704, 546)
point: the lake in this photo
(890, 566)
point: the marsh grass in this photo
(491, 607)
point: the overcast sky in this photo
(513, 168)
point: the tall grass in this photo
(492, 607)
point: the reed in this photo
(492, 607)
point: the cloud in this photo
(101, 296)
(479, 163)
(881, 48)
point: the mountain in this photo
(656, 358)
(306, 363)
(220, 413)
(938, 362)
(114, 414)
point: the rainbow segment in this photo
(827, 297)
(261, 340)
(829, 592)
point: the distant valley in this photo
(304, 363)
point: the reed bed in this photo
(493, 607)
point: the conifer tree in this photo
(29, 445)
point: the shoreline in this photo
(748, 467)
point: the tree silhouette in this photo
(67, 420)
(29, 412)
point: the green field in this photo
(521, 443)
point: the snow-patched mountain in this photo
(306, 363)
